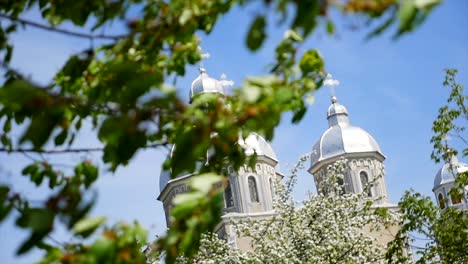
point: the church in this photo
(250, 192)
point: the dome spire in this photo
(203, 55)
(334, 99)
(337, 113)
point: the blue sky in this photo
(391, 88)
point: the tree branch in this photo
(62, 31)
(65, 151)
(52, 151)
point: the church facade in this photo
(250, 191)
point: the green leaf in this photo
(87, 226)
(30, 169)
(311, 61)
(61, 137)
(5, 205)
(381, 28)
(102, 249)
(426, 4)
(251, 93)
(330, 27)
(299, 114)
(185, 16)
(187, 197)
(40, 130)
(406, 14)
(90, 172)
(185, 209)
(33, 240)
(256, 34)
(205, 182)
(38, 219)
(75, 66)
(5, 141)
(292, 35)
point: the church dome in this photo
(254, 143)
(205, 84)
(449, 171)
(341, 137)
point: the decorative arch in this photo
(258, 167)
(253, 191)
(361, 162)
(440, 198)
(365, 182)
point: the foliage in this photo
(451, 124)
(121, 244)
(121, 88)
(442, 232)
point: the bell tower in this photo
(365, 169)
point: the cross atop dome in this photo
(225, 82)
(203, 55)
(330, 82)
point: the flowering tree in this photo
(326, 228)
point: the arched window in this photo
(455, 199)
(253, 190)
(441, 201)
(228, 199)
(365, 183)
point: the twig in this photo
(62, 31)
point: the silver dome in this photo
(341, 137)
(449, 171)
(205, 84)
(254, 143)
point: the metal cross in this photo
(330, 82)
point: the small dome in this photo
(205, 84)
(449, 171)
(341, 137)
(254, 143)
(336, 108)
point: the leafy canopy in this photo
(121, 88)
